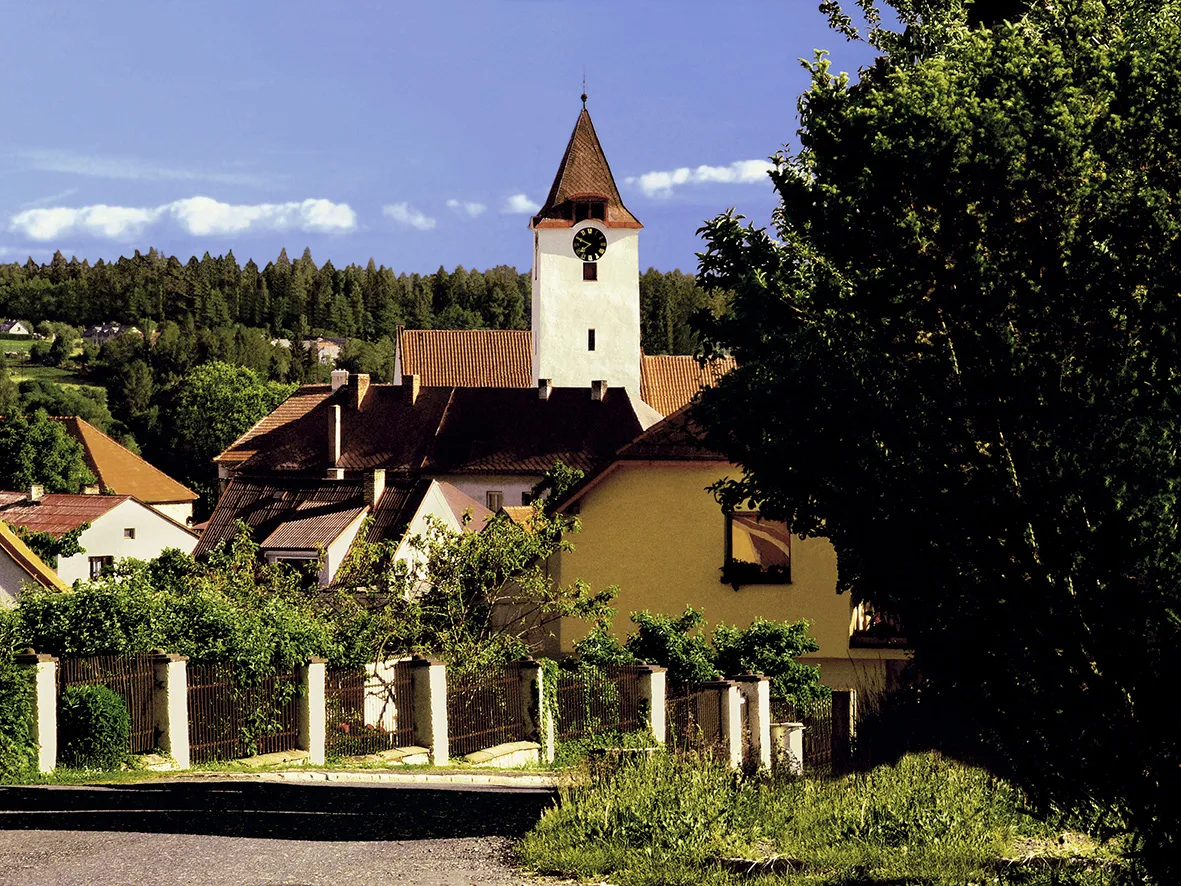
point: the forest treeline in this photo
(219, 340)
(297, 299)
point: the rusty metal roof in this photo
(56, 512)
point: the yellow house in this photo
(650, 526)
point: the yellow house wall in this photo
(654, 531)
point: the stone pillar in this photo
(429, 679)
(788, 742)
(730, 714)
(653, 684)
(539, 717)
(44, 668)
(756, 689)
(844, 729)
(310, 713)
(171, 706)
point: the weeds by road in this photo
(925, 821)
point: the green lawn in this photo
(924, 821)
(23, 371)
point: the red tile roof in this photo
(583, 172)
(24, 557)
(479, 358)
(670, 381)
(460, 502)
(56, 512)
(119, 469)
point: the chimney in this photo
(36, 492)
(333, 436)
(374, 486)
(358, 385)
(599, 389)
(340, 378)
(413, 384)
(92, 489)
(544, 387)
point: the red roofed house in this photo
(120, 526)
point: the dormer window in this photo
(590, 209)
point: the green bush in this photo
(93, 727)
(18, 750)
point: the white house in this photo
(117, 526)
(14, 327)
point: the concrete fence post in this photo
(538, 714)
(788, 742)
(756, 689)
(44, 668)
(171, 705)
(310, 711)
(653, 686)
(429, 680)
(730, 716)
(844, 729)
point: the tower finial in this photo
(583, 89)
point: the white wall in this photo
(565, 307)
(339, 549)
(104, 538)
(181, 513)
(477, 486)
(12, 578)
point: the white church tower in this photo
(586, 274)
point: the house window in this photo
(101, 565)
(129, 532)
(526, 498)
(590, 209)
(495, 499)
(758, 551)
(590, 339)
(590, 270)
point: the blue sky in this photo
(416, 134)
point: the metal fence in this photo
(131, 677)
(816, 715)
(598, 699)
(694, 718)
(233, 715)
(487, 710)
(369, 709)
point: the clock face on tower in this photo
(590, 244)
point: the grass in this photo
(923, 821)
(27, 371)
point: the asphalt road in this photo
(235, 833)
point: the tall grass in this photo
(925, 820)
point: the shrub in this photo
(94, 728)
(18, 750)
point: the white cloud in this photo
(199, 216)
(132, 169)
(468, 208)
(521, 205)
(405, 214)
(661, 184)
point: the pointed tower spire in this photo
(584, 177)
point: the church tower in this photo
(586, 274)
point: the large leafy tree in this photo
(958, 360)
(36, 449)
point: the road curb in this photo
(531, 781)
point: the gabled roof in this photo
(305, 399)
(583, 172)
(670, 381)
(479, 358)
(24, 557)
(307, 513)
(674, 439)
(460, 502)
(446, 430)
(119, 469)
(57, 512)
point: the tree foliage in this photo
(36, 449)
(958, 360)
